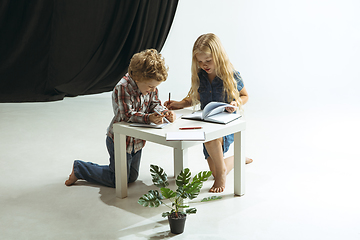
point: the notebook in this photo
(188, 135)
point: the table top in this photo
(212, 130)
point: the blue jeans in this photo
(105, 174)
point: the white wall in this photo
(291, 54)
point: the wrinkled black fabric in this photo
(52, 49)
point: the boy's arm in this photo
(154, 100)
(124, 106)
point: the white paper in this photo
(185, 135)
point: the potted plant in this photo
(186, 189)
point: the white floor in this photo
(303, 183)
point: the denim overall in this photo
(213, 92)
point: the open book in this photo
(214, 112)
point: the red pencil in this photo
(188, 128)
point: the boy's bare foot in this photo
(72, 179)
(248, 160)
(219, 185)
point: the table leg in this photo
(180, 160)
(239, 163)
(120, 165)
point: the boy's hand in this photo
(170, 115)
(156, 118)
(230, 109)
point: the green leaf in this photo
(159, 177)
(193, 189)
(181, 192)
(165, 214)
(191, 211)
(202, 176)
(167, 193)
(183, 178)
(151, 199)
(211, 198)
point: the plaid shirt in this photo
(130, 105)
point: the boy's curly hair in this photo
(148, 64)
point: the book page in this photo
(223, 117)
(213, 108)
(195, 115)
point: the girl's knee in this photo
(213, 142)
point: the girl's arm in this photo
(174, 105)
(243, 93)
(244, 96)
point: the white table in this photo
(212, 131)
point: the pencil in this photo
(163, 117)
(189, 128)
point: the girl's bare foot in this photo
(248, 160)
(219, 184)
(217, 189)
(72, 179)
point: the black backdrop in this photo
(50, 49)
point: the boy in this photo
(134, 99)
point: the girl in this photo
(134, 99)
(213, 78)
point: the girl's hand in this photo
(170, 115)
(230, 109)
(173, 105)
(156, 118)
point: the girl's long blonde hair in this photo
(210, 43)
